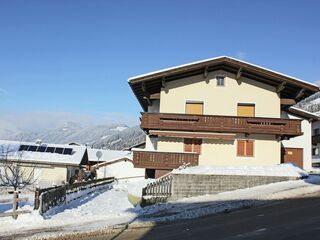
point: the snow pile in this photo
(135, 188)
(283, 170)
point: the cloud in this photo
(241, 55)
(15, 123)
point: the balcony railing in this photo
(222, 124)
(163, 160)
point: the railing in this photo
(45, 199)
(163, 160)
(159, 190)
(225, 124)
(15, 204)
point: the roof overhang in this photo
(289, 87)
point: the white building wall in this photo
(124, 169)
(304, 141)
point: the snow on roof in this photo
(299, 110)
(216, 58)
(107, 155)
(285, 170)
(42, 157)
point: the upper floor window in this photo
(220, 81)
(316, 131)
(246, 110)
(194, 108)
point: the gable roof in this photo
(147, 84)
(73, 159)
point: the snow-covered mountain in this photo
(109, 136)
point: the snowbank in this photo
(284, 170)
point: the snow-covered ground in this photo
(105, 208)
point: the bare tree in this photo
(13, 173)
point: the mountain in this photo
(107, 136)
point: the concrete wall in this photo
(220, 100)
(304, 141)
(191, 185)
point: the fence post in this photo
(15, 204)
(36, 198)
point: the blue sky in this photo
(73, 58)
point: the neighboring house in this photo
(113, 163)
(316, 143)
(53, 164)
(220, 111)
(299, 149)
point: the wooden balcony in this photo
(163, 160)
(222, 124)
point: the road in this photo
(287, 219)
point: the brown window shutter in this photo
(246, 110)
(240, 147)
(197, 145)
(249, 148)
(194, 108)
(188, 145)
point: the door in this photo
(292, 155)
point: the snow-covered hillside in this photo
(109, 136)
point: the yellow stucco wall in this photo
(221, 152)
(220, 100)
(223, 101)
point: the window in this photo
(192, 145)
(316, 131)
(315, 151)
(245, 148)
(220, 81)
(194, 108)
(246, 110)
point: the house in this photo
(53, 164)
(219, 111)
(299, 149)
(113, 163)
(316, 143)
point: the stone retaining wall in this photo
(191, 185)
